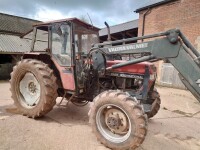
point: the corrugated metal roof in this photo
(120, 27)
(15, 25)
(153, 3)
(13, 44)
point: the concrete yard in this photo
(175, 127)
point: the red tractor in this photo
(64, 62)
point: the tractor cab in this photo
(67, 42)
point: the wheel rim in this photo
(29, 89)
(110, 123)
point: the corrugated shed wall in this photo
(11, 27)
(13, 44)
(169, 77)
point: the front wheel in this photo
(118, 120)
(155, 106)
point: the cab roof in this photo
(73, 20)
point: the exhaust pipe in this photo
(108, 28)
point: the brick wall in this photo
(182, 14)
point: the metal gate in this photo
(169, 77)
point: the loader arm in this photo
(171, 45)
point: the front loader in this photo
(115, 76)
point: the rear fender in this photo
(39, 56)
(47, 60)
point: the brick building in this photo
(161, 15)
(168, 14)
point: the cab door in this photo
(62, 53)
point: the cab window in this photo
(41, 41)
(61, 43)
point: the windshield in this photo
(83, 42)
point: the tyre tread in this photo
(50, 87)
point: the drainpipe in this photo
(144, 19)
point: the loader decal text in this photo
(198, 82)
(125, 75)
(127, 47)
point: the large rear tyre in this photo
(33, 88)
(118, 120)
(155, 96)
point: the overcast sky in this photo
(112, 11)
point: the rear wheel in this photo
(155, 96)
(118, 120)
(33, 88)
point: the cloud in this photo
(46, 14)
(112, 11)
(19, 7)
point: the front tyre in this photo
(155, 106)
(118, 120)
(33, 88)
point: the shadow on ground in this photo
(67, 115)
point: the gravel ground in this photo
(175, 127)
